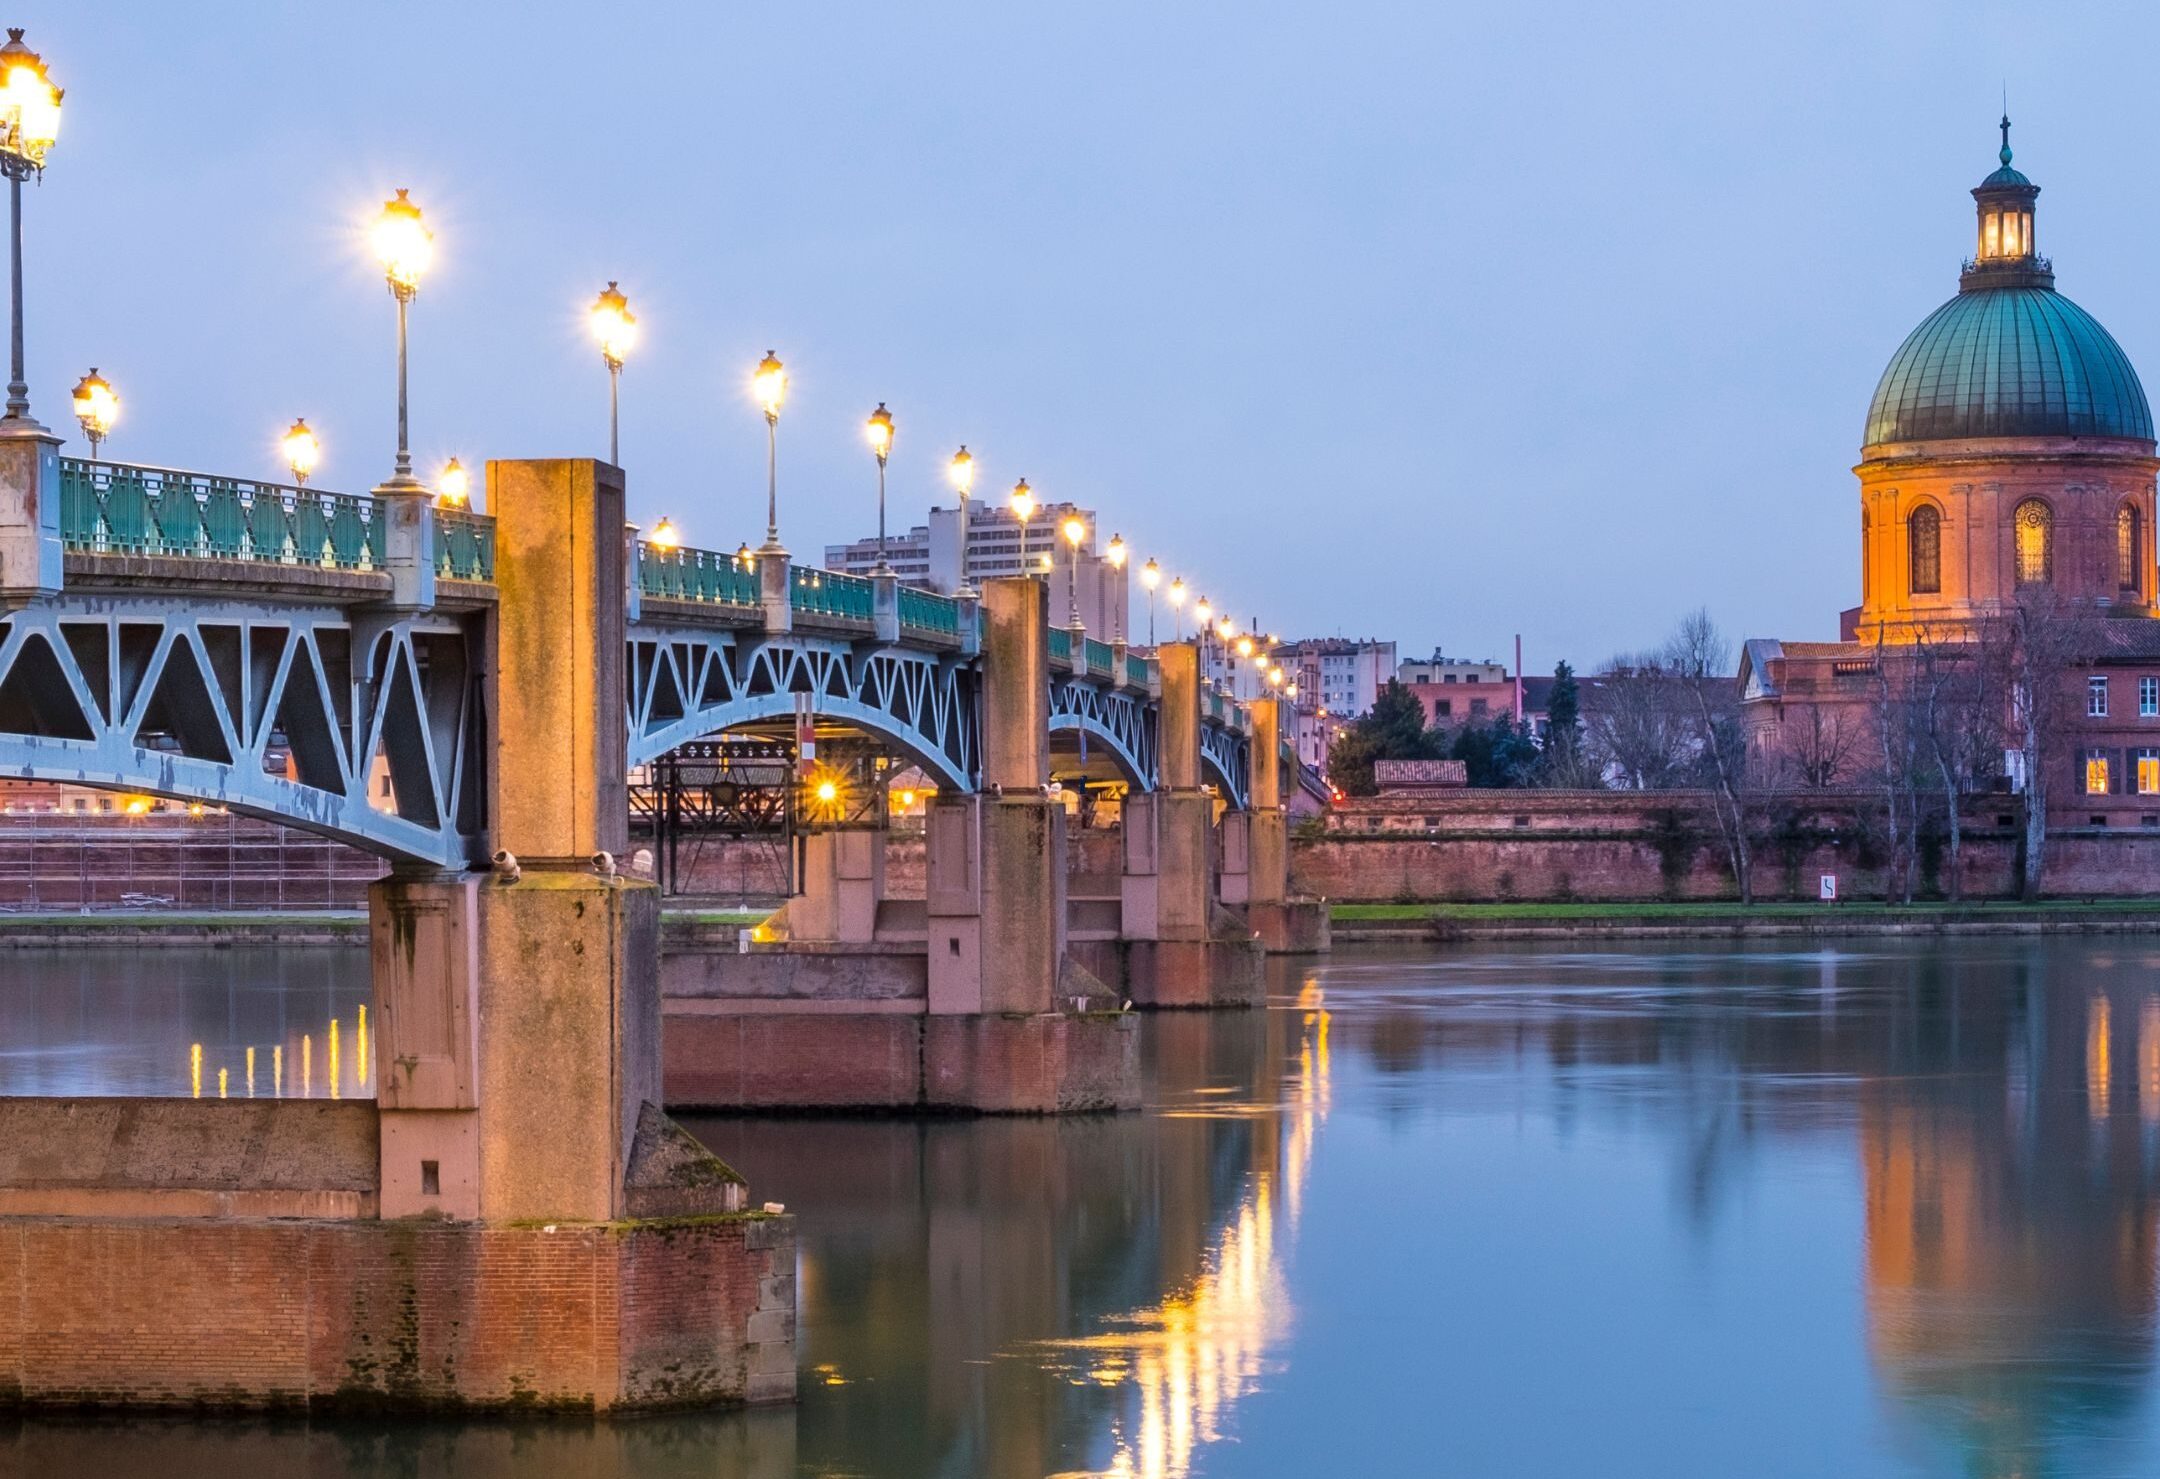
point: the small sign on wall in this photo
(1829, 888)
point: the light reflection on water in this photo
(1875, 1210)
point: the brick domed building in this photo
(2008, 448)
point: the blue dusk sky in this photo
(1428, 322)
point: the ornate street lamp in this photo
(404, 246)
(1075, 530)
(453, 489)
(302, 451)
(1200, 614)
(1023, 507)
(1151, 577)
(1115, 554)
(664, 535)
(771, 386)
(97, 408)
(29, 126)
(615, 326)
(1176, 596)
(880, 430)
(962, 472)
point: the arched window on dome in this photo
(1924, 531)
(2129, 549)
(2035, 528)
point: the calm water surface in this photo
(1869, 1210)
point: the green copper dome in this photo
(2008, 362)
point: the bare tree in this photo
(2042, 640)
(1958, 709)
(1901, 749)
(1819, 750)
(1700, 661)
(1635, 724)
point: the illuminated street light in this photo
(1244, 644)
(1151, 577)
(97, 408)
(302, 451)
(1275, 677)
(1116, 555)
(771, 386)
(615, 326)
(405, 247)
(29, 127)
(1075, 530)
(1023, 507)
(664, 534)
(1176, 597)
(962, 473)
(880, 428)
(453, 488)
(1224, 627)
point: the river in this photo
(1877, 1208)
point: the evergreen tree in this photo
(1393, 730)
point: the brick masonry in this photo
(413, 1314)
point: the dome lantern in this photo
(2007, 256)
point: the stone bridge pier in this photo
(1256, 852)
(512, 1222)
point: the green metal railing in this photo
(120, 508)
(464, 544)
(828, 593)
(927, 611)
(1136, 669)
(701, 575)
(1101, 657)
(1061, 645)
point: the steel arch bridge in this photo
(235, 644)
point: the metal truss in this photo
(361, 728)
(1226, 755)
(1119, 720)
(684, 684)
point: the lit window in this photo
(2149, 698)
(2128, 545)
(1926, 530)
(2148, 772)
(2035, 543)
(2096, 698)
(2096, 774)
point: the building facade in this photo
(998, 543)
(2006, 476)
(1338, 679)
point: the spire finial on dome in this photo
(2006, 128)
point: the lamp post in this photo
(1115, 554)
(1023, 507)
(664, 535)
(962, 472)
(97, 408)
(1075, 530)
(453, 489)
(404, 246)
(1151, 577)
(302, 451)
(1176, 597)
(29, 126)
(1200, 614)
(771, 385)
(615, 326)
(880, 428)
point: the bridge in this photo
(464, 694)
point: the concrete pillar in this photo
(408, 544)
(1012, 1027)
(885, 607)
(30, 553)
(424, 954)
(1268, 859)
(776, 591)
(842, 883)
(569, 995)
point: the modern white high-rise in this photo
(929, 555)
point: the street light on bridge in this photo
(1151, 577)
(302, 451)
(1116, 556)
(770, 383)
(453, 487)
(29, 127)
(405, 247)
(1200, 614)
(664, 535)
(615, 327)
(1075, 531)
(1023, 507)
(962, 472)
(97, 407)
(1176, 597)
(880, 429)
